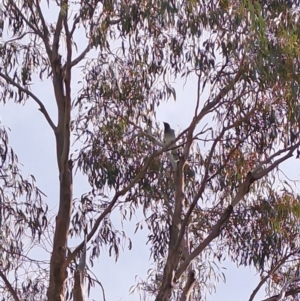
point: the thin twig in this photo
(18, 37)
(285, 286)
(290, 292)
(97, 281)
(45, 29)
(33, 96)
(205, 177)
(112, 204)
(9, 286)
(198, 96)
(243, 190)
(270, 273)
(25, 19)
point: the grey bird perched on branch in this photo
(169, 136)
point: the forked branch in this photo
(113, 202)
(244, 188)
(271, 272)
(205, 177)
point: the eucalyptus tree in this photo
(223, 198)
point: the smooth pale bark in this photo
(168, 282)
(58, 275)
(62, 89)
(189, 285)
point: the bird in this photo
(169, 136)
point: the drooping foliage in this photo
(22, 217)
(245, 58)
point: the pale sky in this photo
(33, 142)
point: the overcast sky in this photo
(33, 141)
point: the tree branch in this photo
(198, 95)
(285, 286)
(208, 107)
(270, 273)
(260, 173)
(88, 48)
(44, 36)
(59, 25)
(214, 233)
(76, 21)
(159, 143)
(205, 177)
(243, 190)
(112, 204)
(17, 38)
(67, 99)
(25, 19)
(290, 292)
(35, 98)
(78, 290)
(9, 286)
(45, 29)
(177, 227)
(190, 283)
(81, 56)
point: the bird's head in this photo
(166, 125)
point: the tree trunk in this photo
(56, 290)
(58, 274)
(169, 280)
